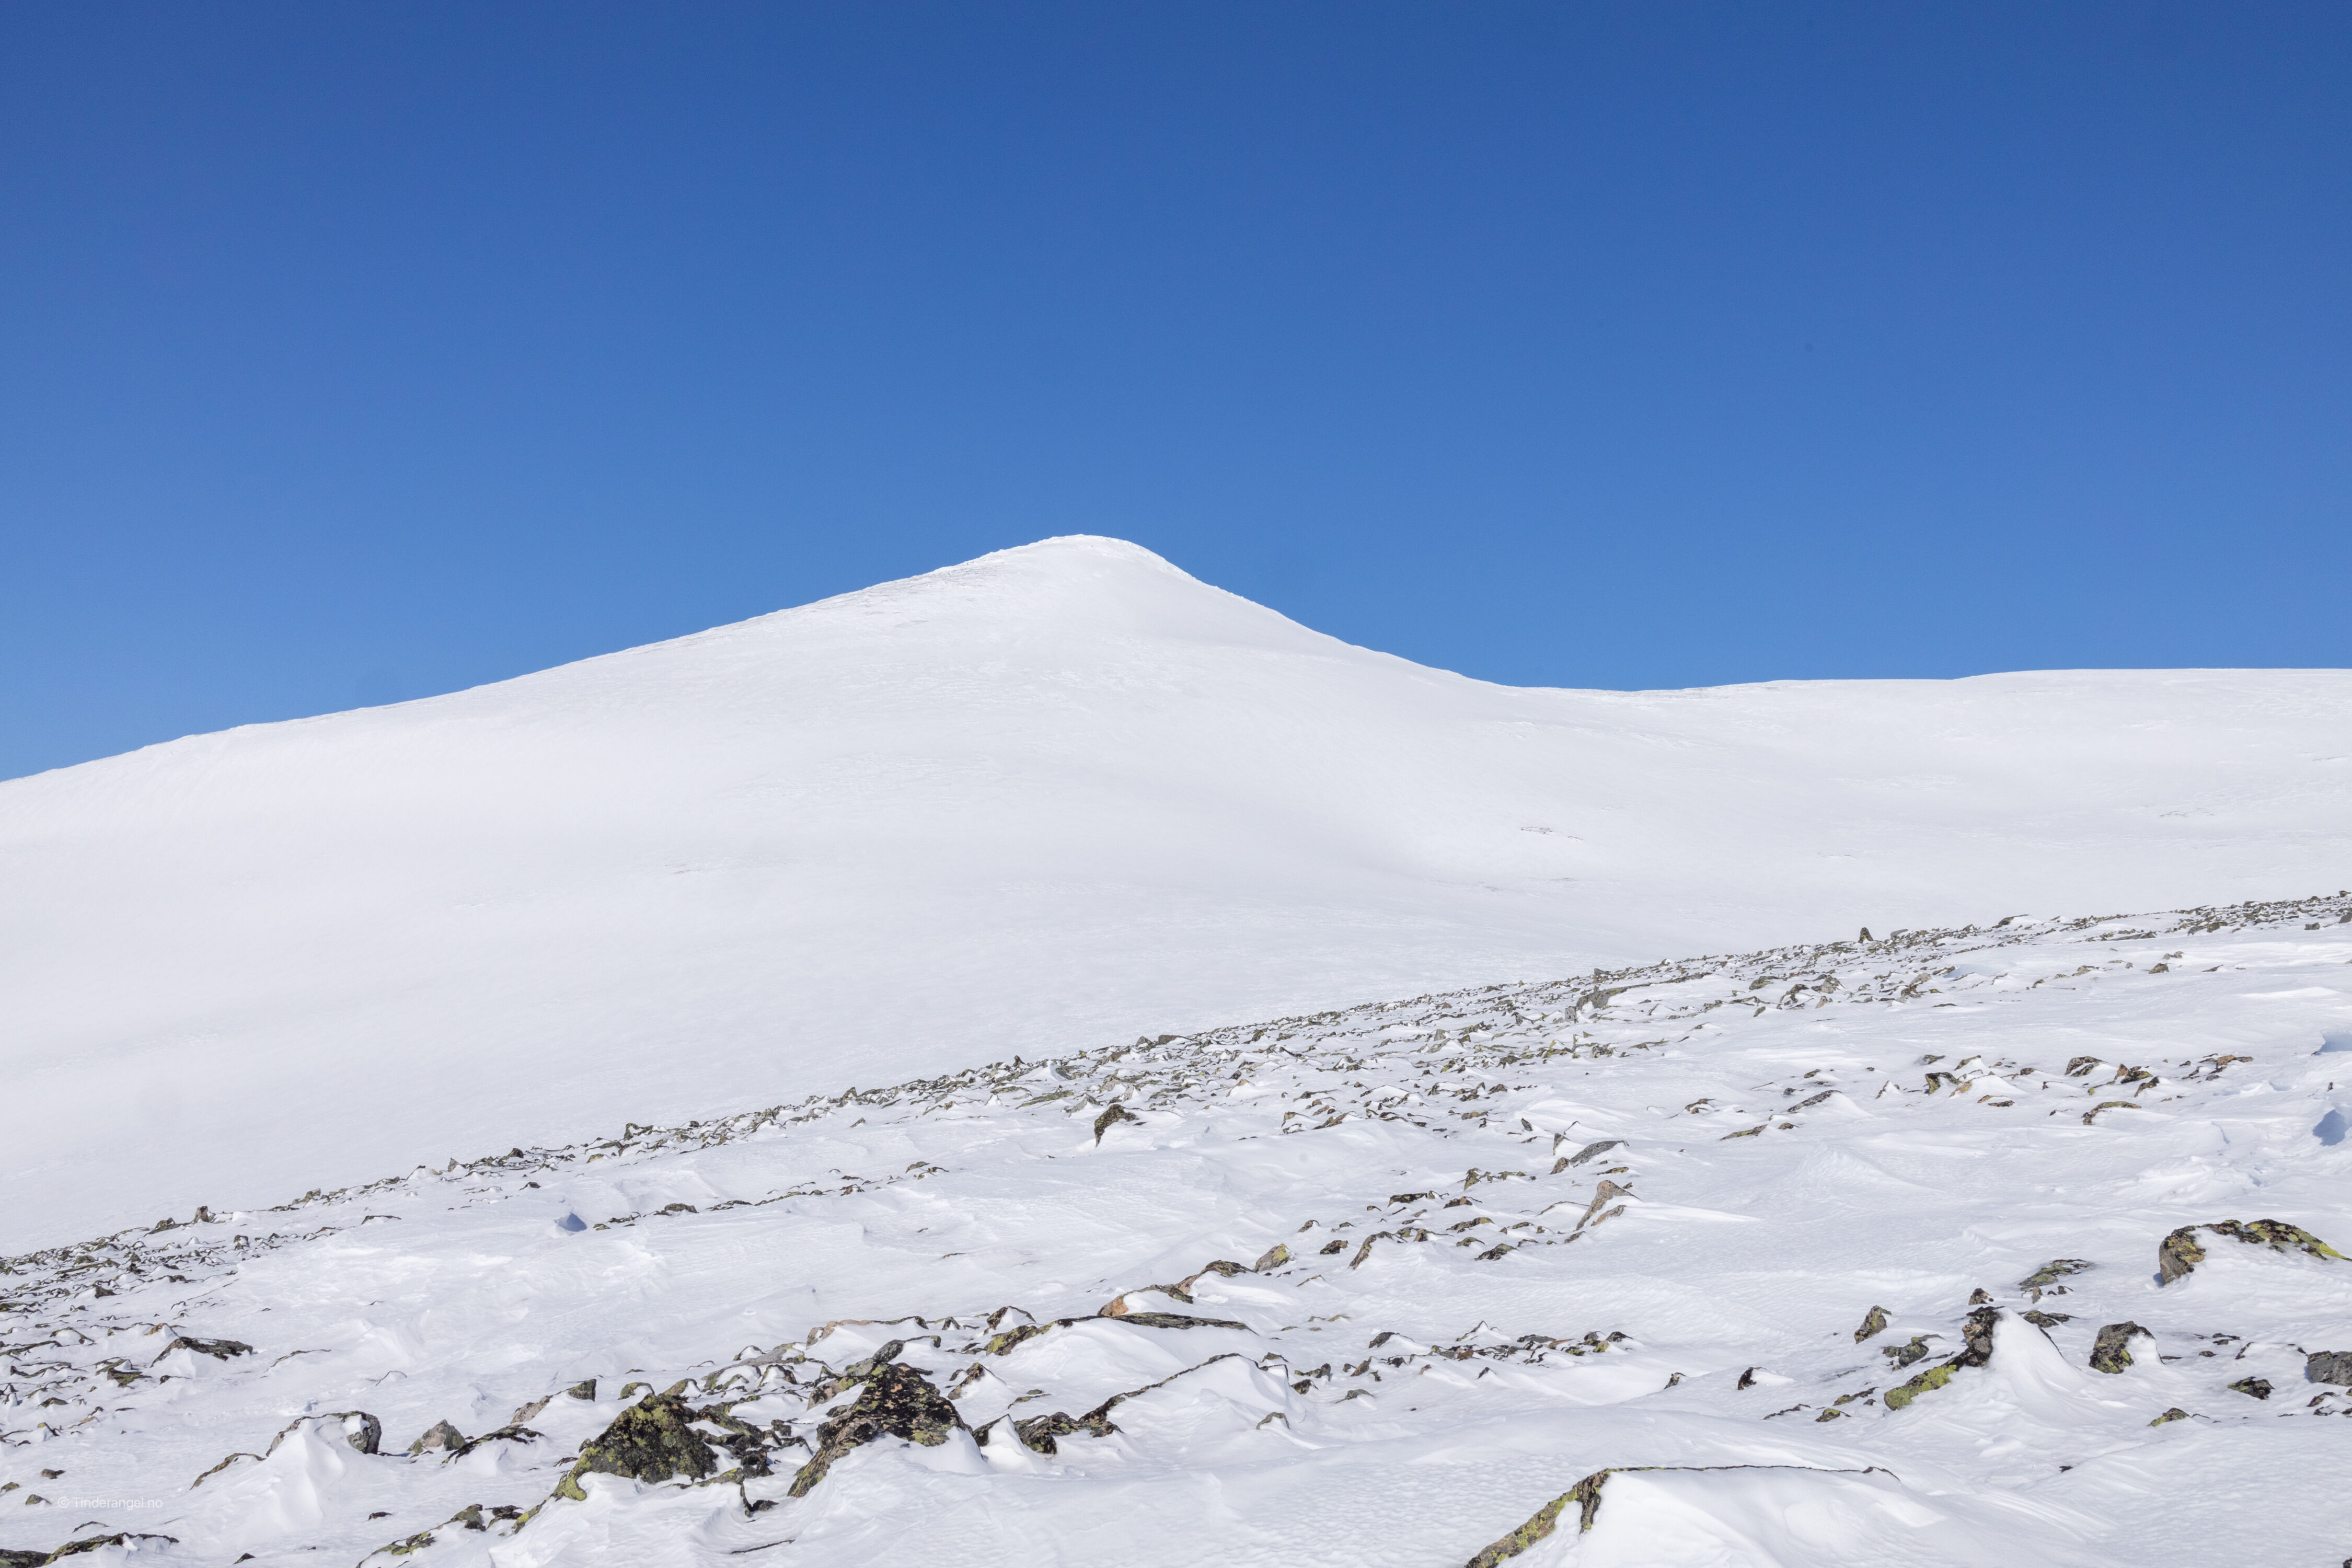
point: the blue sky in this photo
(356, 351)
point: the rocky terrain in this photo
(1999, 1244)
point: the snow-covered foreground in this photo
(1810, 1250)
(1061, 795)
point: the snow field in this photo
(1472, 1250)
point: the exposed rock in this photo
(2179, 1254)
(1873, 1323)
(2112, 1353)
(1590, 1149)
(1112, 1118)
(440, 1435)
(1977, 1332)
(1274, 1258)
(2047, 1321)
(219, 1350)
(1038, 1432)
(896, 1401)
(513, 1434)
(2329, 1366)
(2175, 1413)
(584, 1390)
(1904, 1355)
(2260, 1387)
(650, 1441)
(2046, 1278)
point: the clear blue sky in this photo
(358, 352)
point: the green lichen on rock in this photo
(1904, 1355)
(1539, 1525)
(1873, 1323)
(896, 1402)
(1006, 1342)
(1975, 1333)
(1038, 1432)
(650, 1441)
(1935, 1377)
(440, 1435)
(2049, 1273)
(2112, 1353)
(2180, 1253)
(2259, 1387)
(2175, 1413)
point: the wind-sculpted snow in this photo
(1987, 1246)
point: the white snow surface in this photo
(1059, 796)
(1394, 1284)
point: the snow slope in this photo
(1059, 796)
(1793, 1259)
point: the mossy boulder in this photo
(1975, 1333)
(2179, 1254)
(2112, 1353)
(896, 1402)
(650, 1441)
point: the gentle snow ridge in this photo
(1059, 794)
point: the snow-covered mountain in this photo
(1057, 796)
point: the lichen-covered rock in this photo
(438, 1436)
(2179, 1254)
(896, 1401)
(2175, 1413)
(2112, 1353)
(1273, 1258)
(1585, 1493)
(1904, 1355)
(2329, 1366)
(1975, 1333)
(1873, 1323)
(219, 1350)
(2260, 1387)
(2046, 1278)
(650, 1441)
(1038, 1432)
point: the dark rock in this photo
(2329, 1366)
(1112, 1118)
(1873, 1323)
(440, 1435)
(896, 1401)
(586, 1390)
(1904, 1355)
(2112, 1353)
(2179, 1254)
(2260, 1387)
(2046, 1278)
(650, 1441)
(219, 1350)
(2175, 1413)
(2047, 1320)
